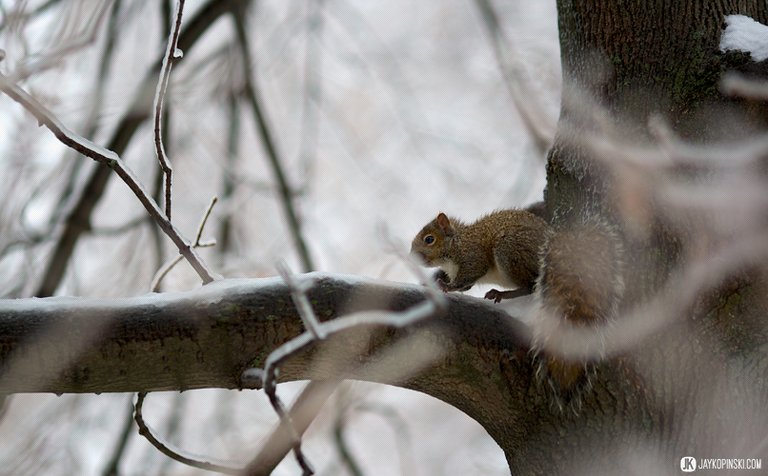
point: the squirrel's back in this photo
(512, 240)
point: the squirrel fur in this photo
(576, 274)
(580, 287)
(500, 248)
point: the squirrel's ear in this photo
(443, 222)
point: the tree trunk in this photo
(624, 64)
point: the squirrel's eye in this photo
(429, 239)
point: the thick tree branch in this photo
(207, 337)
(210, 336)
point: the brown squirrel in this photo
(500, 248)
(576, 274)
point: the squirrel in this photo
(580, 288)
(575, 274)
(500, 248)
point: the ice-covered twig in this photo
(171, 453)
(111, 160)
(171, 53)
(165, 269)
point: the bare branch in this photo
(172, 53)
(275, 162)
(165, 269)
(302, 414)
(53, 58)
(80, 214)
(171, 453)
(436, 302)
(111, 160)
(541, 129)
(204, 220)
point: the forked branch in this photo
(112, 160)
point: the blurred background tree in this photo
(369, 109)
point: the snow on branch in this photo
(210, 337)
(266, 377)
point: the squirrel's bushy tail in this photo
(579, 289)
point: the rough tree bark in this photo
(634, 60)
(697, 386)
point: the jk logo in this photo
(688, 464)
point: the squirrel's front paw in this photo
(495, 295)
(441, 279)
(442, 285)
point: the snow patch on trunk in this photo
(742, 33)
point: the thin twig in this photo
(286, 194)
(302, 413)
(436, 302)
(163, 272)
(204, 220)
(113, 465)
(299, 295)
(171, 54)
(344, 452)
(94, 188)
(541, 130)
(64, 48)
(287, 424)
(145, 431)
(111, 160)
